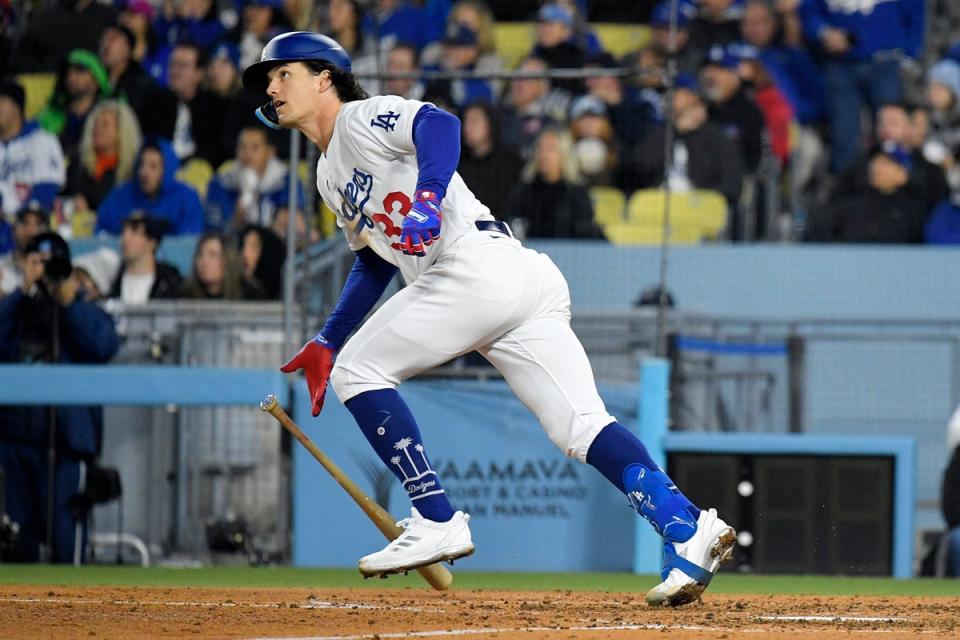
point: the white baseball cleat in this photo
(423, 542)
(689, 566)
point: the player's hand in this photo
(421, 226)
(316, 360)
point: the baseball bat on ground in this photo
(437, 575)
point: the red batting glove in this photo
(316, 360)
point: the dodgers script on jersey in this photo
(368, 177)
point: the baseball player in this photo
(388, 169)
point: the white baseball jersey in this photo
(474, 290)
(33, 157)
(368, 177)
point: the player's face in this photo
(293, 88)
(150, 172)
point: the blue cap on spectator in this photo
(898, 154)
(555, 13)
(947, 73)
(727, 57)
(460, 35)
(687, 81)
(587, 105)
(228, 51)
(661, 15)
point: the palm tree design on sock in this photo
(404, 444)
(395, 460)
(423, 456)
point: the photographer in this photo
(46, 321)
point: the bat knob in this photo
(268, 403)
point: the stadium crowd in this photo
(148, 132)
(807, 120)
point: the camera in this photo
(55, 254)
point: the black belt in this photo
(494, 225)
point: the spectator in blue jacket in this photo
(46, 321)
(154, 189)
(861, 44)
(793, 69)
(193, 21)
(393, 21)
(251, 189)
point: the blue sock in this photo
(625, 462)
(388, 425)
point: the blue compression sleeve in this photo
(368, 278)
(436, 136)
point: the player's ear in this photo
(324, 81)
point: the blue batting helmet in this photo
(294, 47)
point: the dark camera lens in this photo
(55, 252)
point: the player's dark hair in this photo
(348, 89)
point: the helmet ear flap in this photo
(267, 114)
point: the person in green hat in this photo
(82, 81)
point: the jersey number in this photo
(390, 202)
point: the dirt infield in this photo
(30, 612)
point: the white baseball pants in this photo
(490, 294)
